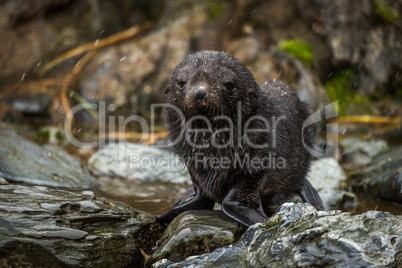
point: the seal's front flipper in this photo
(243, 208)
(310, 195)
(192, 199)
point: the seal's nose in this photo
(200, 93)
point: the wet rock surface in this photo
(364, 34)
(382, 178)
(138, 162)
(328, 178)
(134, 173)
(196, 232)
(299, 236)
(358, 153)
(24, 161)
(64, 227)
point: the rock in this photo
(326, 173)
(196, 232)
(363, 34)
(338, 199)
(299, 236)
(24, 161)
(132, 75)
(64, 227)
(370, 147)
(50, 27)
(132, 171)
(110, 77)
(358, 153)
(382, 178)
(327, 177)
(37, 104)
(138, 162)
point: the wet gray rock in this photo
(196, 232)
(37, 104)
(63, 227)
(299, 236)
(364, 34)
(357, 153)
(24, 161)
(382, 178)
(138, 162)
(133, 171)
(328, 178)
(370, 147)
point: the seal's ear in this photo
(166, 90)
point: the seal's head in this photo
(210, 83)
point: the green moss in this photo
(49, 134)
(339, 88)
(386, 13)
(298, 50)
(215, 9)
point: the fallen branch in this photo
(132, 32)
(368, 119)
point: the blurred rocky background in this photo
(326, 50)
(76, 76)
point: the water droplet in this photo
(112, 107)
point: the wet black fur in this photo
(245, 193)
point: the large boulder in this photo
(64, 227)
(299, 236)
(24, 161)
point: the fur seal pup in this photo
(243, 144)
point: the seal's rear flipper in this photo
(310, 195)
(243, 208)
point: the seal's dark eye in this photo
(181, 84)
(229, 86)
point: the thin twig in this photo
(113, 39)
